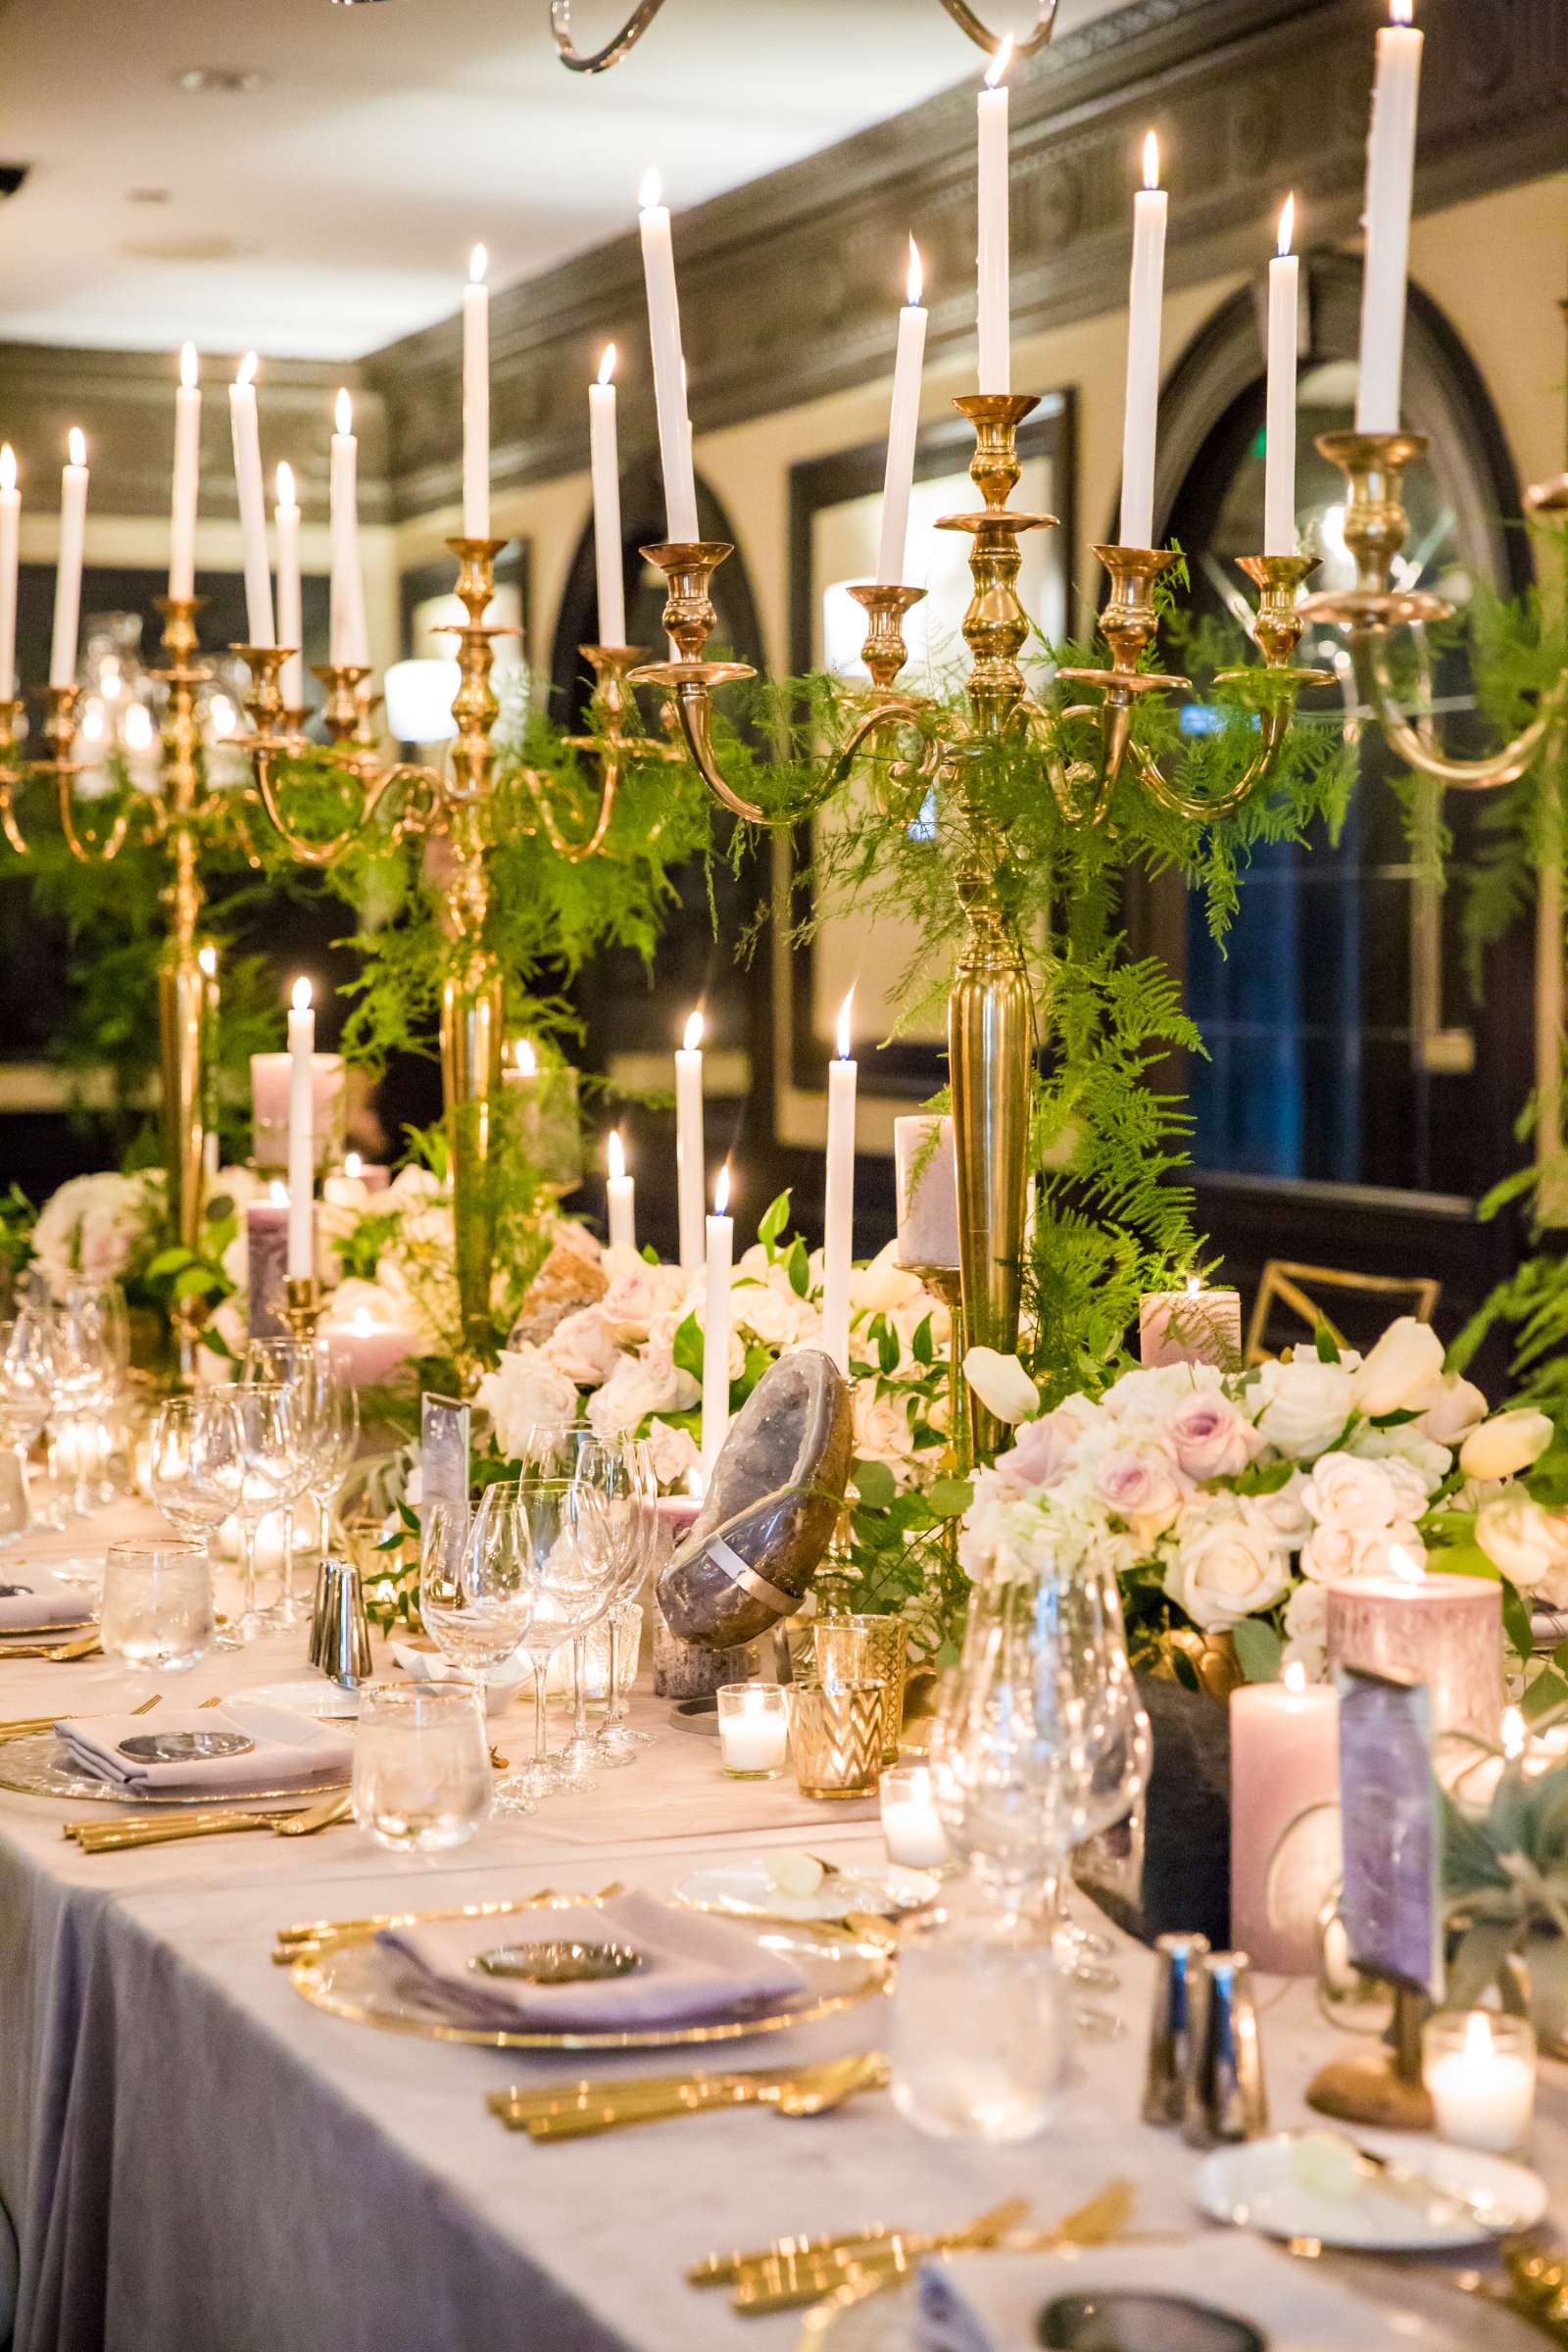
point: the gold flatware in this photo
(855, 2278)
(307, 1937)
(1536, 2289)
(117, 1837)
(726, 2270)
(57, 1654)
(29, 1727)
(590, 2094)
(791, 2282)
(808, 2091)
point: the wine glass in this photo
(195, 1468)
(564, 1522)
(92, 1348)
(477, 1592)
(1118, 1744)
(27, 1388)
(278, 1363)
(330, 1411)
(621, 1469)
(268, 1457)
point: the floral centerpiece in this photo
(1229, 1501)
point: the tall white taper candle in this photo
(1146, 302)
(188, 477)
(996, 356)
(67, 565)
(904, 426)
(669, 380)
(689, 1142)
(348, 631)
(245, 433)
(605, 460)
(301, 1131)
(476, 400)
(621, 1192)
(716, 1312)
(1389, 185)
(1279, 471)
(290, 624)
(838, 1236)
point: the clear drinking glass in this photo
(565, 1524)
(268, 1463)
(158, 1605)
(477, 1589)
(981, 2030)
(620, 1470)
(421, 1765)
(27, 1383)
(330, 1408)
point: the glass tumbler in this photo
(981, 2035)
(158, 1605)
(422, 1766)
(836, 1734)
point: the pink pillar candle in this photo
(1443, 1631)
(1195, 1326)
(1284, 1760)
(371, 1351)
(270, 1084)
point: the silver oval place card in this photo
(560, 1960)
(184, 1747)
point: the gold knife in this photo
(307, 1937)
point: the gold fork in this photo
(57, 1653)
(727, 2270)
(26, 1727)
(306, 1938)
(119, 1837)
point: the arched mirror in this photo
(1348, 1054)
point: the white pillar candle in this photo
(996, 356)
(67, 566)
(347, 626)
(245, 431)
(301, 1131)
(1195, 1326)
(716, 1312)
(188, 477)
(1284, 1758)
(1390, 182)
(670, 376)
(291, 625)
(753, 1729)
(1443, 1631)
(604, 460)
(926, 1186)
(10, 541)
(1279, 474)
(689, 1144)
(1146, 302)
(838, 1235)
(620, 1191)
(911, 1823)
(371, 1351)
(1480, 2072)
(903, 425)
(476, 400)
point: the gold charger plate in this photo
(359, 1978)
(33, 1767)
(45, 1633)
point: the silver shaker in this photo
(1226, 2099)
(340, 1633)
(1180, 1962)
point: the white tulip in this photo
(1001, 1385)
(1505, 1444)
(1401, 1369)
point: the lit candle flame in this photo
(1287, 225)
(1478, 2046)
(525, 1057)
(352, 1163)
(8, 467)
(693, 1036)
(286, 484)
(188, 370)
(1513, 1732)
(1401, 12)
(77, 444)
(1294, 1677)
(344, 411)
(845, 1010)
(1150, 161)
(207, 957)
(245, 373)
(721, 1192)
(278, 1194)
(479, 264)
(606, 365)
(916, 278)
(996, 70)
(299, 995)
(1193, 1285)
(1405, 1566)
(694, 1480)
(616, 1156)
(652, 191)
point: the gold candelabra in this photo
(183, 810)
(990, 1007)
(455, 807)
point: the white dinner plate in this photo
(1256, 2186)
(746, 1891)
(318, 1698)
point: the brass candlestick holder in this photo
(619, 741)
(304, 1305)
(989, 1009)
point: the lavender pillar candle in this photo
(1443, 1631)
(267, 1246)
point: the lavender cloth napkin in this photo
(290, 1751)
(695, 1969)
(45, 1603)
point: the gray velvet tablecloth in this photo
(197, 2161)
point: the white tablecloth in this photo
(195, 2158)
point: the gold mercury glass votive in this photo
(868, 1649)
(836, 1734)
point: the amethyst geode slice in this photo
(772, 1504)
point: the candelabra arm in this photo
(1415, 743)
(60, 732)
(688, 567)
(597, 61)
(13, 771)
(270, 741)
(617, 745)
(1026, 44)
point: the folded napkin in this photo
(290, 1749)
(694, 1970)
(46, 1603)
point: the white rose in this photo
(1505, 1444)
(1227, 1564)
(1302, 1405)
(91, 1228)
(884, 1285)
(776, 1321)
(640, 1385)
(1345, 1491)
(524, 1388)
(673, 1454)
(882, 1432)
(1331, 1554)
(1403, 1366)
(583, 1347)
(1148, 1392)
(1451, 1410)
(1001, 1385)
(638, 1294)
(1306, 1618)
(1286, 1512)
(1406, 1443)
(1528, 1543)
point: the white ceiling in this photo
(333, 209)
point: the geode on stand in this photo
(772, 1504)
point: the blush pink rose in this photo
(1143, 1484)
(1041, 1450)
(1210, 1437)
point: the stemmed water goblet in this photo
(565, 1524)
(477, 1593)
(268, 1465)
(27, 1389)
(329, 1416)
(620, 1468)
(196, 1463)
(91, 1350)
(282, 1363)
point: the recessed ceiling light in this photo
(146, 195)
(229, 81)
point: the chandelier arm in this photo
(577, 852)
(1044, 727)
(1024, 44)
(696, 707)
(578, 61)
(88, 853)
(1274, 723)
(1417, 744)
(377, 785)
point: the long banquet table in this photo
(192, 2156)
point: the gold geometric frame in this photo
(1283, 1281)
